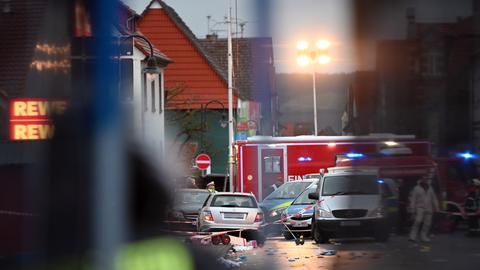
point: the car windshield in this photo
(234, 201)
(190, 197)
(289, 190)
(350, 185)
(303, 197)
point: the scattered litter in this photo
(242, 248)
(425, 248)
(291, 259)
(306, 257)
(243, 258)
(229, 263)
(327, 253)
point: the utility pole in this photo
(230, 98)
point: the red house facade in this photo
(201, 78)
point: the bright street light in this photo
(302, 45)
(303, 60)
(324, 59)
(307, 56)
(323, 44)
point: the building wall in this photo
(145, 124)
(190, 68)
(215, 136)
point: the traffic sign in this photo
(203, 161)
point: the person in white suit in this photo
(423, 203)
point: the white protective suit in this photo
(423, 204)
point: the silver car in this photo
(230, 211)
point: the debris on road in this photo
(229, 263)
(238, 248)
(327, 253)
(425, 248)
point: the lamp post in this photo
(230, 98)
(203, 120)
(307, 56)
(151, 69)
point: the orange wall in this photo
(189, 67)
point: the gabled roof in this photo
(250, 56)
(189, 34)
(242, 62)
(125, 15)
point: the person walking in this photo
(423, 203)
(191, 182)
(472, 207)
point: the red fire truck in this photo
(265, 161)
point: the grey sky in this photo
(313, 19)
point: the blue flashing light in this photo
(467, 155)
(303, 159)
(355, 155)
(380, 181)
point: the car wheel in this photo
(382, 234)
(317, 235)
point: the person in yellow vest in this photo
(211, 187)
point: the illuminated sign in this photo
(30, 118)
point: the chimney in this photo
(212, 37)
(411, 26)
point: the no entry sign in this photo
(203, 161)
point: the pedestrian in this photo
(191, 182)
(211, 187)
(423, 203)
(472, 207)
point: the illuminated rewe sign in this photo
(30, 118)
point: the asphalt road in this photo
(446, 251)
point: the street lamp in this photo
(151, 69)
(203, 120)
(309, 56)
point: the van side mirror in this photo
(313, 196)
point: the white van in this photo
(351, 201)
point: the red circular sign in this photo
(203, 161)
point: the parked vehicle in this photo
(350, 201)
(298, 216)
(224, 211)
(187, 203)
(275, 203)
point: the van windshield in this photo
(350, 185)
(289, 190)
